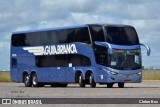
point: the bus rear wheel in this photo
(81, 81)
(35, 81)
(109, 85)
(121, 85)
(27, 81)
(91, 81)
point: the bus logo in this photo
(52, 49)
(6, 101)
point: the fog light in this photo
(139, 73)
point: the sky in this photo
(21, 15)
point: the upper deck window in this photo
(50, 37)
(97, 33)
(122, 35)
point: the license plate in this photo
(127, 81)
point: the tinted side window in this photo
(18, 39)
(14, 62)
(62, 60)
(40, 38)
(82, 35)
(51, 61)
(65, 35)
(51, 37)
(101, 55)
(97, 33)
(33, 39)
(79, 60)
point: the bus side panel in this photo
(100, 75)
(13, 67)
(43, 74)
(14, 73)
(53, 74)
(57, 74)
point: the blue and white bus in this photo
(84, 54)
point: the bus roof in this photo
(107, 24)
(48, 29)
(66, 27)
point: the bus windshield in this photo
(121, 35)
(125, 59)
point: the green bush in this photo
(5, 76)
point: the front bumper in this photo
(121, 76)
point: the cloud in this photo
(18, 15)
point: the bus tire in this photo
(91, 81)
(121, 85)
(27, 80)
(109, 85)
(81, 81)
(35, 82)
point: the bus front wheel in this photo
(81, 81)
(121, 85)
(91, 80)
(27, 81)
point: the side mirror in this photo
(147, 47)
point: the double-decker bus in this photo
(84, 54)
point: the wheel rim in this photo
(27, 79)
(90, 79)
(80, 79)
(34, 80)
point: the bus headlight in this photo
(139, 73)
(113, 73)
